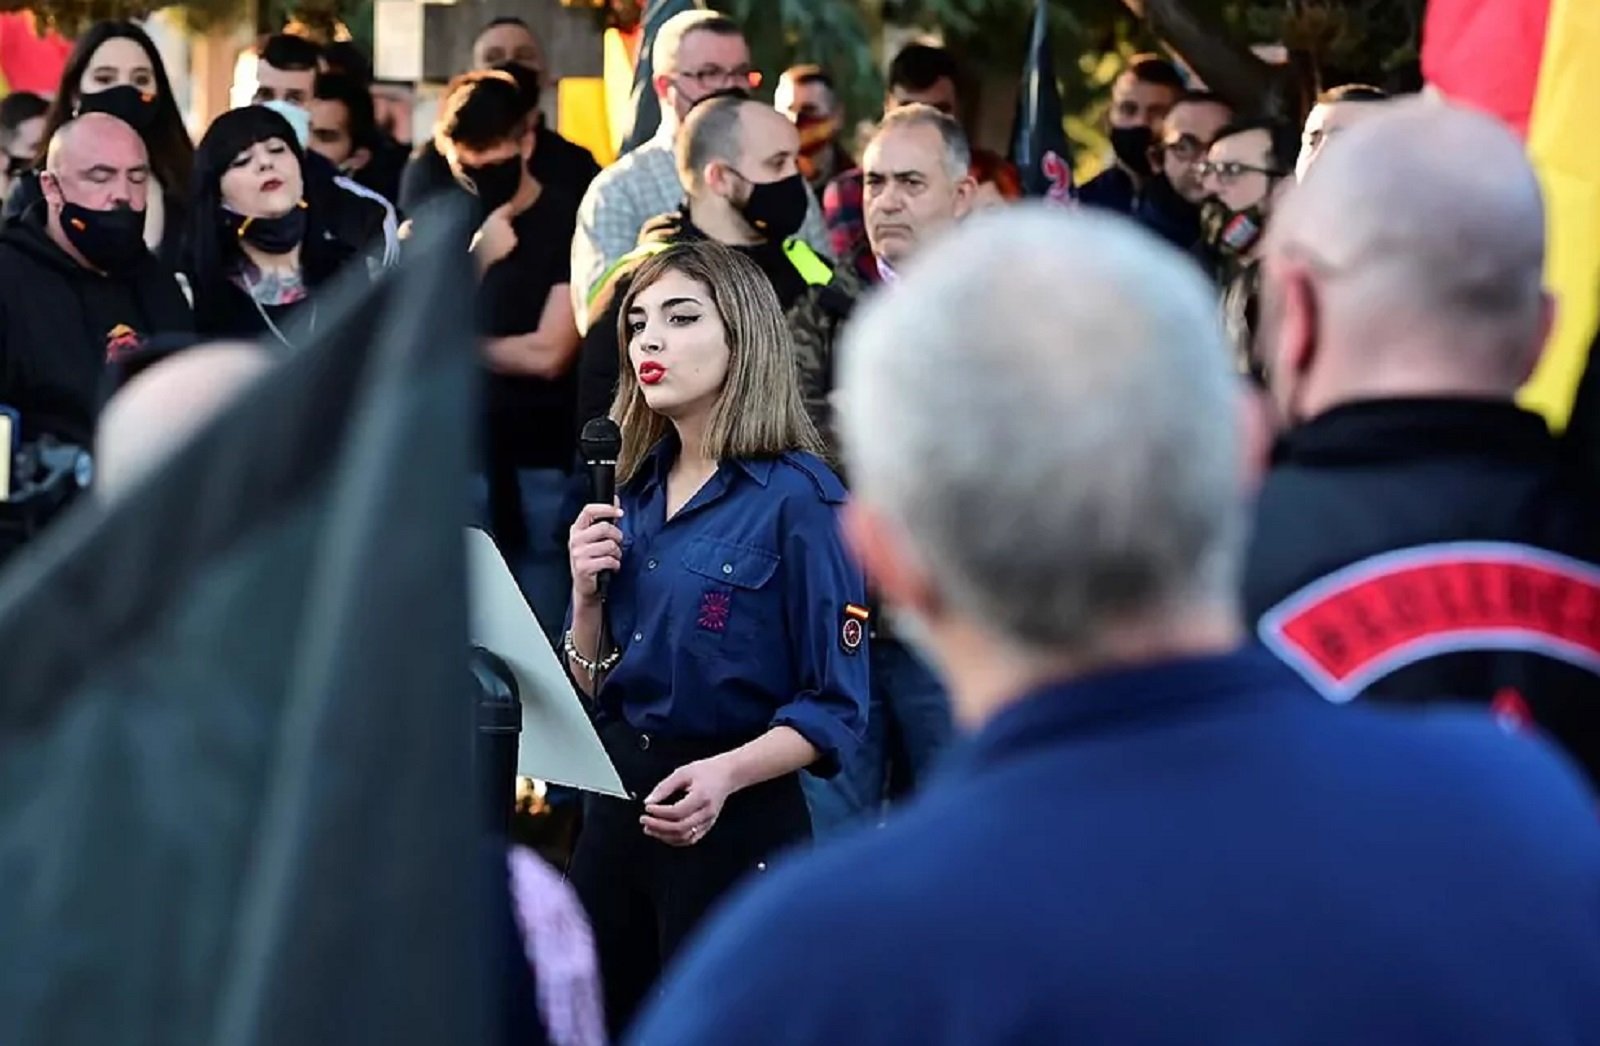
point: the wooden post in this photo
(212, 60)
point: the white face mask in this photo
(299, 119)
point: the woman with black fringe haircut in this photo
(260, 245)
(115, 69)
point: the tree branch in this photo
(1227, 66)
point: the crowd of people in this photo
(1138, 493)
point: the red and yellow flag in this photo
(1536, 64)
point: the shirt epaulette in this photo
(829, 487)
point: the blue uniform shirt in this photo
(735, 616)
(1199, 851)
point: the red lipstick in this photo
(651, 372)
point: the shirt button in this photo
(638, 637)
(727, 568)
(651, 565)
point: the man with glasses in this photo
(1247, 166)
(1170, 205)
(696, 54)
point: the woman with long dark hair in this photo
(115, 68)
(259, 247)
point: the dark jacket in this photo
(1414, 550)
(60, 322)
(1200, 851)
(815, 302)
(25, 193)
(1161, 210)
(1113, 189)
(555, 161)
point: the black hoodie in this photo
(60, 322)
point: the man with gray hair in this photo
(1420, 535)
(916, 182)
(1158, 834)
(696, 54)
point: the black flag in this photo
(646, 107)
(1038, 138)
(236, 800)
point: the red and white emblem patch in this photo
(853, 630)
(1359, 624)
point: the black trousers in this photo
(644, 897)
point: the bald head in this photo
(1420, 241)
(93, 138)
(161, 408)
(97, 163)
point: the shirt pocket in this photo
(727, 596)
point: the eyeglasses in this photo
(1186, 148)
(1229, 171)
(716, 78)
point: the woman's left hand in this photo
(704, 787)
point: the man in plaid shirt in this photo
(696, 54)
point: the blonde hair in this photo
(758, 413)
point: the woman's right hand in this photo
(594, 545)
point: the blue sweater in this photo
(1196, 852)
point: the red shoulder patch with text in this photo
(1351, 628)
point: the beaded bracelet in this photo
(594, 668)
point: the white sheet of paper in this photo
(558, 742)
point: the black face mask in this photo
(127, 103)
(272, 235)
(777, 209)
(1132, 148)
(1229, 232)
(494, 184)
(112, 241)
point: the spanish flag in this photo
(1536, 64)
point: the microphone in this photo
(601, 443)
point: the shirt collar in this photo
(1127, 699)
(886, 273)
(652, 471)
(1408, 429)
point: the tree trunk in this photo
(1227, 66)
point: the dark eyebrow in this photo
(670, 302)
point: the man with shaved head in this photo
(1156, 834)
(165, 404)
(1420, 536)
(77, 284)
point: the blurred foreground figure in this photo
(1158, 834)
(1420, 535)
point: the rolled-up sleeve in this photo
(821, 584)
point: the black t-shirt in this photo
(530, 420)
